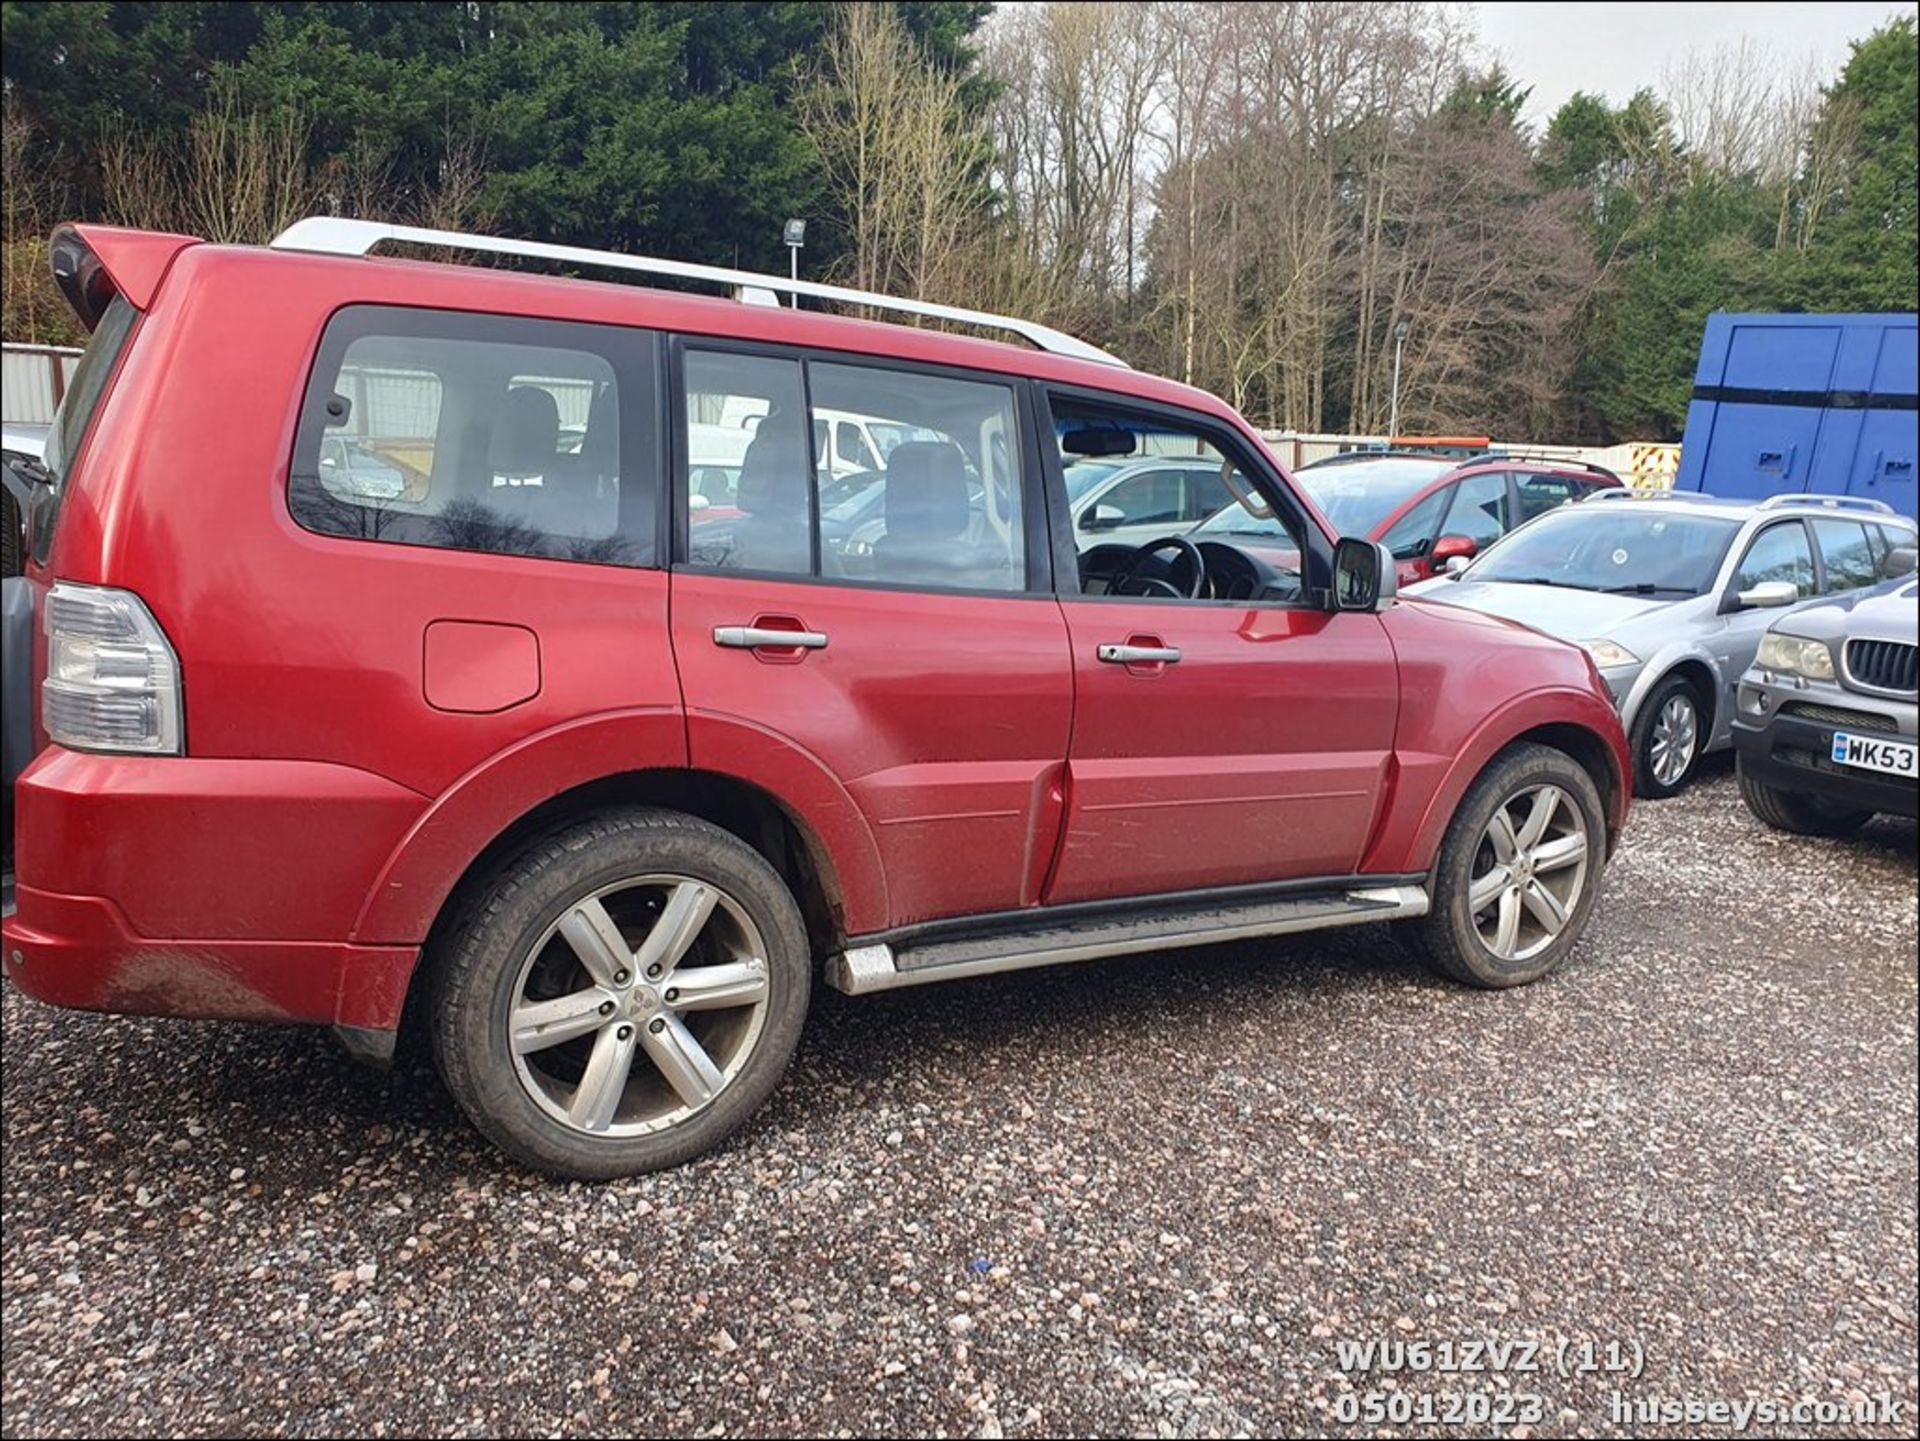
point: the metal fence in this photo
(33, 378)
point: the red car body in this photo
(1424, 555)
(364, 723)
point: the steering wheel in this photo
(1151, 584)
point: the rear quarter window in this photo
(485, 433)
(75, 417)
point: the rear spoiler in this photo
(94, 263)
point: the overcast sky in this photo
(1615, 48)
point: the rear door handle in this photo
(756, 637)
(1139, 654)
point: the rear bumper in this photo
(1796, 755)
(79, 951)
(201, 887)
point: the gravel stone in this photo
(1190, 1176)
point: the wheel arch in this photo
(1576, 722)
(779, 799)
(1699, 671)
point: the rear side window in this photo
(75, 416)
(487, 433)
(1848, 552)
(942, 507)
(1542, 493)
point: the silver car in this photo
(1671, 593)
(1134, 500)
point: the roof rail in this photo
(329, 235)
(1343, 457)
(1827, 502)
(1627, 492)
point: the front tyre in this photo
(1801, 815)
(622, 997)
(1668, 739)
(1518, 872)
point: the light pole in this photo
(1393, 413)
(795, 235)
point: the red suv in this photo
(379, 668)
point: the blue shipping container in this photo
(1821, 403)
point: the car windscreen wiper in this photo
(1536, 580)
(1647, 587)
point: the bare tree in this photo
(903, 157)
(33, 310)
(236, 176)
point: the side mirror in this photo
(1769, 594)
(1901, 560)
(1450, 548)
(1103, 517)
(698, 502)
(1364, 575)
(1455, 565)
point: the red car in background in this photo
(1426, 509)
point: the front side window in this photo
(470, 432)
(1779, 552)
(1152, 497)
(1207, 493)
(1412, 535)
(1158, 472)
(1848, 552)
(941, 508)
(1479, 510)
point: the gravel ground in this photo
(1145, 1197)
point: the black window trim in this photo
(1038, 561)
(1316, 549)
(627, 350)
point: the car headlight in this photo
(1796, 656)
(1607, 655)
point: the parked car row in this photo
(1671, 595)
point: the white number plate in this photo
(1868, 753)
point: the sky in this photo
(1615, 48)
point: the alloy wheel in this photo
(1676, 735)
(1528, 872)
(639, 1005)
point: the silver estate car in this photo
(1670, 594)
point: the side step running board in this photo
(864, 969)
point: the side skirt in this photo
(1149, 926)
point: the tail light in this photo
(113, 681)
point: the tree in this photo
(1858, 185)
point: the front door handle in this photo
(1139, 654)
(758, 637)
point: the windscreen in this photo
(1608, 548)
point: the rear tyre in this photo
(1803, 815)
(1518, 872)
(622, 996)
(1668, 737)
